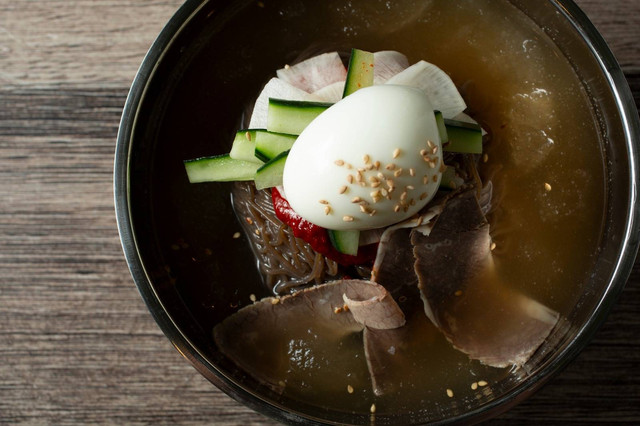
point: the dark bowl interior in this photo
(188, 100)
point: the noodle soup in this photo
(544, 161)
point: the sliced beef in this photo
(290, 341)
(464, 296)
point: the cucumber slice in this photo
(270, 174)
(442, 128)
(345, 241)
(463, 137)
(360, 72)
(291, 117)
(269, 144)
(243, 147)
(449, 179)
(221, 168)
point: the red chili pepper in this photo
(317, 236)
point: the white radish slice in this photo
(331, 93)
(275, 88)
(386, 64)
(466, 118)
(314, 73)
(437, 85)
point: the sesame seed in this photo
(380, 175)
(474, 385)
(423, 152)
(430, 143)
(248, 136)
(396, 208)
(323, 201)
(257, 232)
(376, 184)
(275, 300)
(345, 307)
(405, 209)
(359, 176)
(409, 187)
(435, 178)
(252, 297)
(493, 246)
(425, 179)
(383, 192)
(363, 183)
(390, 183)
(434, 149)
(547, 187)
(449, 393)
(249, 220)
(390, 166)
(348, 166)
(365, 209)
(485, 158)
(412, 202)
(373, 408)
(423, 196)
(458, 293)
(236, 235)
(350, 178)
(366, 159)
(432, 164)
(403, 196)
(376, 165)
(327, 210)
(373, 179)
(356, 199)
(339, 162)
(337, 310)
(482, 383)
(349, 388)
(396, 153)
(373, 212)
(368, 167)
(412, 171)
(398, 172)
(343, 189)
(347, 218)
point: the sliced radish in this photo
(386, 64)
(331, 93)
(314, 73)
(438, 86)
(275, 88)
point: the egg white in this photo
(386, 138)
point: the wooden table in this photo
(77, 344)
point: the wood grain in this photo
(77, 344)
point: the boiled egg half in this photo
(371, 160)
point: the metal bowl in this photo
(189, 95)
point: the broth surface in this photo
(544, 160)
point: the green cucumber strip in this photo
(243, 147)
(442, 128)
(449, 178)
(270, 144)
(345, 241)
(221, 168)
(360, 71)
(464, 137)
(270, 174)
(291, 117)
